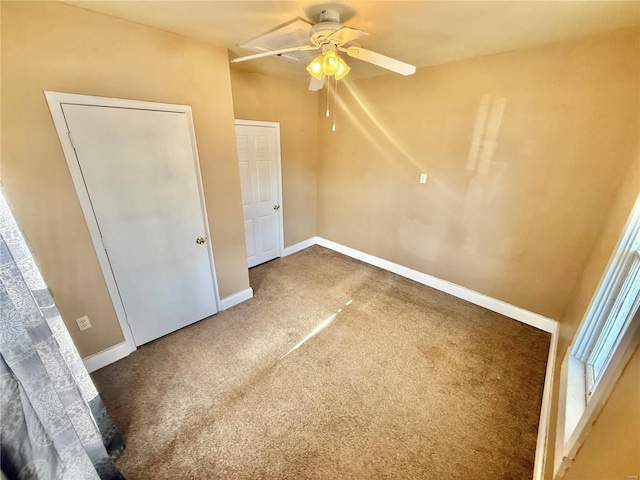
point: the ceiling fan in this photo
(331, 37)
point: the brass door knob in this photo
(199, 240)
(276, 207)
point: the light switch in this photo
(423, 178)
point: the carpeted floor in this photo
(404, 382)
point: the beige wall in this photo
(516, 220)
(258, 97)
(52, 46)
(612, 449)
(603, 248)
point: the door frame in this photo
(55, 101)
(276, 126)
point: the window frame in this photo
(614, 324)
(604, 299)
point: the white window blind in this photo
(617, 321)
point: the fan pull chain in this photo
(328, 91)
(335, 99)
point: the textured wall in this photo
(257, 97)
(524, 150)
(52, 46)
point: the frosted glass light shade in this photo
(315, 67)
(343, 69)
(330, 63)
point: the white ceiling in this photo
(422, 33)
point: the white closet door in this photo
(257, 157)
(140, 174)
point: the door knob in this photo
(199, 240)
(276, 207)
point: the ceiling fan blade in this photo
(316, 84)
(380, 60)
(301, 48)
(346, 34)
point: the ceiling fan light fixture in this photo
(328, 63)
(315, 67)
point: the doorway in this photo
(258, 146)
(136, 172)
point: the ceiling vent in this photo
(295, 32)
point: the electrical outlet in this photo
(83, 323)
(423, 178)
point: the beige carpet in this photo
(404, 382)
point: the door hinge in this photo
(104, 245)
(73, 144)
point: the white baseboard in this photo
(493, 304)
(121, 350)
(236, 298)
(108, 356)
(545, 409)
(300, 246)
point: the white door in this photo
(259, 181)
(140, 173)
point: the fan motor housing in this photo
(320, 31)
(329, 15)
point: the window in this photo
(614, 325)
(612, 310)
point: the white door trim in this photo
(55, 101)
(276, 125)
